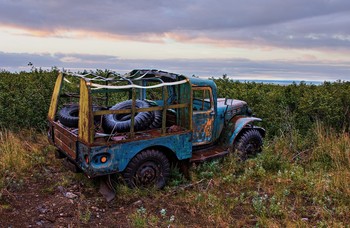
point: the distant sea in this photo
(279, 82)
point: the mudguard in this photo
(236, 125)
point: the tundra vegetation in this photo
(302, 178)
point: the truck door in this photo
(203, 115)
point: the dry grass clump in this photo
(20, 152)
(332, 149)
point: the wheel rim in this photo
(74, 113)
(147, 174)
(252, 147)
(123, 117)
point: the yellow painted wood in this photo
(128, 111)
(150, 109)
(106, 112)
(54, 98)
(86, 126)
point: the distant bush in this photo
(296, 106)
(25, 98)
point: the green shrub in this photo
(296, 106)
(25, 98)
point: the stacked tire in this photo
(113, 123)
(69, 115)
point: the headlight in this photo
(249, 112)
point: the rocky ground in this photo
(52, 196)
(49, 199)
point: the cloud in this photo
(234, 68)
(14, 61)
(289, 23)
(21, 60)
(313, 35)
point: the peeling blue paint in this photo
(239, 124)
(119, 155)
(215, 121)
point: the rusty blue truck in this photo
(140, 123)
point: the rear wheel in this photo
(149, 168)
(249, 144)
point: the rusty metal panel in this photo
(184, 115)
(203, 116)
(54, 98)
(234, 127)
(65, 140)
(203, 126)
(207, 154)
(86, 123)
(120, 154)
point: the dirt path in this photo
(54, 197)
(42, 201)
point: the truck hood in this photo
(231, 102)
(229, 108)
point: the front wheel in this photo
(149, 168)
(249, 144)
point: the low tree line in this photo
(25, 99)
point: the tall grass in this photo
(296, 181)
(332, 149)
(302, 178)
(14, 154)
(20, 153)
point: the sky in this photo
(251, 39)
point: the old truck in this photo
(140, 123)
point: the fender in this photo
(236, 125)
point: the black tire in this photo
(122, 122)
(69, 115)
(157, 116)
(149, 168)
(157, 121)
(249, 144)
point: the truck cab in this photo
(139, 123)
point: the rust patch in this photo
(65, 140)
(208, 154)
(174, 129)
(208, 128)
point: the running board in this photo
(208, 154)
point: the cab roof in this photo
(148, 73)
